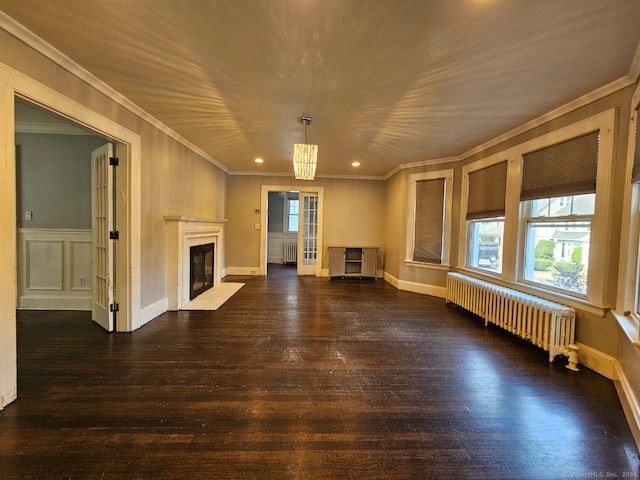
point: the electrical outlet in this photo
(27, 215)
(83, 281)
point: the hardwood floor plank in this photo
(300, 377)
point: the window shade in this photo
(429, 221)
(487, 189)
(563, 169)
(635, 176)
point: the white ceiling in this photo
(387, 82)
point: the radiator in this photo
(290, 253)
(546, 324)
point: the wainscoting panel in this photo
(275, 247)
(54, 269)
(43, 264)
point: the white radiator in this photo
(548, 325)
(290, 253)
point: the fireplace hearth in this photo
(201, 269)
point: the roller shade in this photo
(635, 176)
(487, 190)
(429, 221)
(563, 169)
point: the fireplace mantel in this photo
(182, 234)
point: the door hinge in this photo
(114, 235)
(113, 161)
(114, 307)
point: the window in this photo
(558, 204)
(429, 225)
(485, 217)
(292, 214)
(558, 239)
(538, 215)
(485, 244)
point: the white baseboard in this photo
(597, 361)
(628, 401)
(150, 312)
(48, 302)
(414, 287)
(242, 271)
(390, 279)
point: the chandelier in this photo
(305, 156)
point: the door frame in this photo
(16, 84)
(128, 148)
(264, 204)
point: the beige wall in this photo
(353, 215)
(175, 181)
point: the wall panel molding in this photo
(54, 269)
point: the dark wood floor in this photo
(305, 378)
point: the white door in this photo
(308, 234)
(102, 222)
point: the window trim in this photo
(513, 250)
(628, 298)
(463, 247)
(287, 214)
(447, 221)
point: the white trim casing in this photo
(8, 253)
(629, 263)
(33, 91)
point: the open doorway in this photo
(283, 218)
(291, 224)
(56, 220)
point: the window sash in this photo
(567, 282)
(484, 251)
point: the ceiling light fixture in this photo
(305, 156)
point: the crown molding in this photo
(423, 163)
(30, 39)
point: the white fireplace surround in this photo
(182, 234)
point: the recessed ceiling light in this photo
(355, 164)
(259, 160)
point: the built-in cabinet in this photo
(353, 262)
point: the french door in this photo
(308, 234)
(102, 246)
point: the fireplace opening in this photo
(201, 269)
